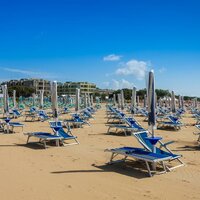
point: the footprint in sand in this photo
(185, 181)
(192, 163)
(75, 159)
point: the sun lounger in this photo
(61, 132)
(76, 121)
(86, 114)
(159, 156)
(42, 115)
(131, 125)
(65, 110)
(114, 115)
(162, 149)
(141, 155)
(14, 125)
(31, 116)
(172, 122)
(197, 133)
(16, 113)
(44, 137)
(10, 126)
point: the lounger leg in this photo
(8, 129)
(108, 130)
(125, 158)
(180, 165)
(76, 141)
(44, 142)
(28, 139)
(125, 132)
(111, 159)
(148, 168)
(88, 123)
(57, 143)
(198, 140)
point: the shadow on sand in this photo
(32, 145)
(132, 169)
(188, 148)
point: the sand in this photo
(79, 171)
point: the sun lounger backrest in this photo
(132, 123)
(198, 126)
(16, 112)
(63, 134)
(32, 109)
(77, 118)
(141, 138)
(173, 119)
(53, 123)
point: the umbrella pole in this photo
(152, 130)
(7, 123)
(154, 148)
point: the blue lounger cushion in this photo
(16, 124)
(141, 153)
(44, 135)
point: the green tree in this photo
(21, 91)
(162, 93)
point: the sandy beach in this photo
(79, 171)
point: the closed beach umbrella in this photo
(179, 101)
(119, 100)
(5, 100)
(14, 98)
(54, 100)
(89, 100)
(173, 102)
(138, 101)
(133, 98)
(195, 103)
(122, 99)
(151, 102)
(34, 98)
(145, 101)
(92, 100)
(169, 100)
(85, 100)
(114, 99)
(182, 102)
(41, 99)
(77, 99)
(156, 101)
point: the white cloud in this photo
(126, 84)
(32, 74)
(118, 84)
(115, 84)
(106, 84)
(162, 70)
(25, 72)
(112, 57)
(133, 67)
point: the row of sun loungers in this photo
(59, 135)
(10, 126)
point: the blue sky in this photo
(112, 43)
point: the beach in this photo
(28, 171)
